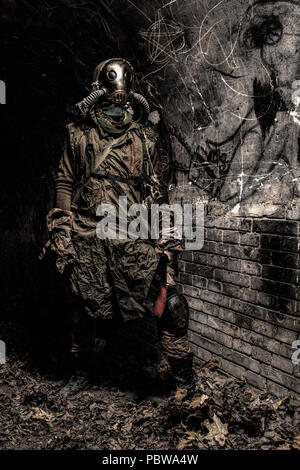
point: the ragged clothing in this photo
(97, 167)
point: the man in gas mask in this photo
(108, 154)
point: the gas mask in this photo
(116, 79)
(113, 83)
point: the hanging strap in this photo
(133, 181)
(147, 154)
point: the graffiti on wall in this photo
(227, 74)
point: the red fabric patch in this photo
(161, 301)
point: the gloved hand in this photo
(59, 225)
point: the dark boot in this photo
(183, 373)
(79, 379)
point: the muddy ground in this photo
(127, 407)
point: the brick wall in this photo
(244, 297)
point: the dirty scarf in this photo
(111, 126)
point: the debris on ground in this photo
(128, 407)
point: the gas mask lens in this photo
(111, 75)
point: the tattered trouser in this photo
(172, 328)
